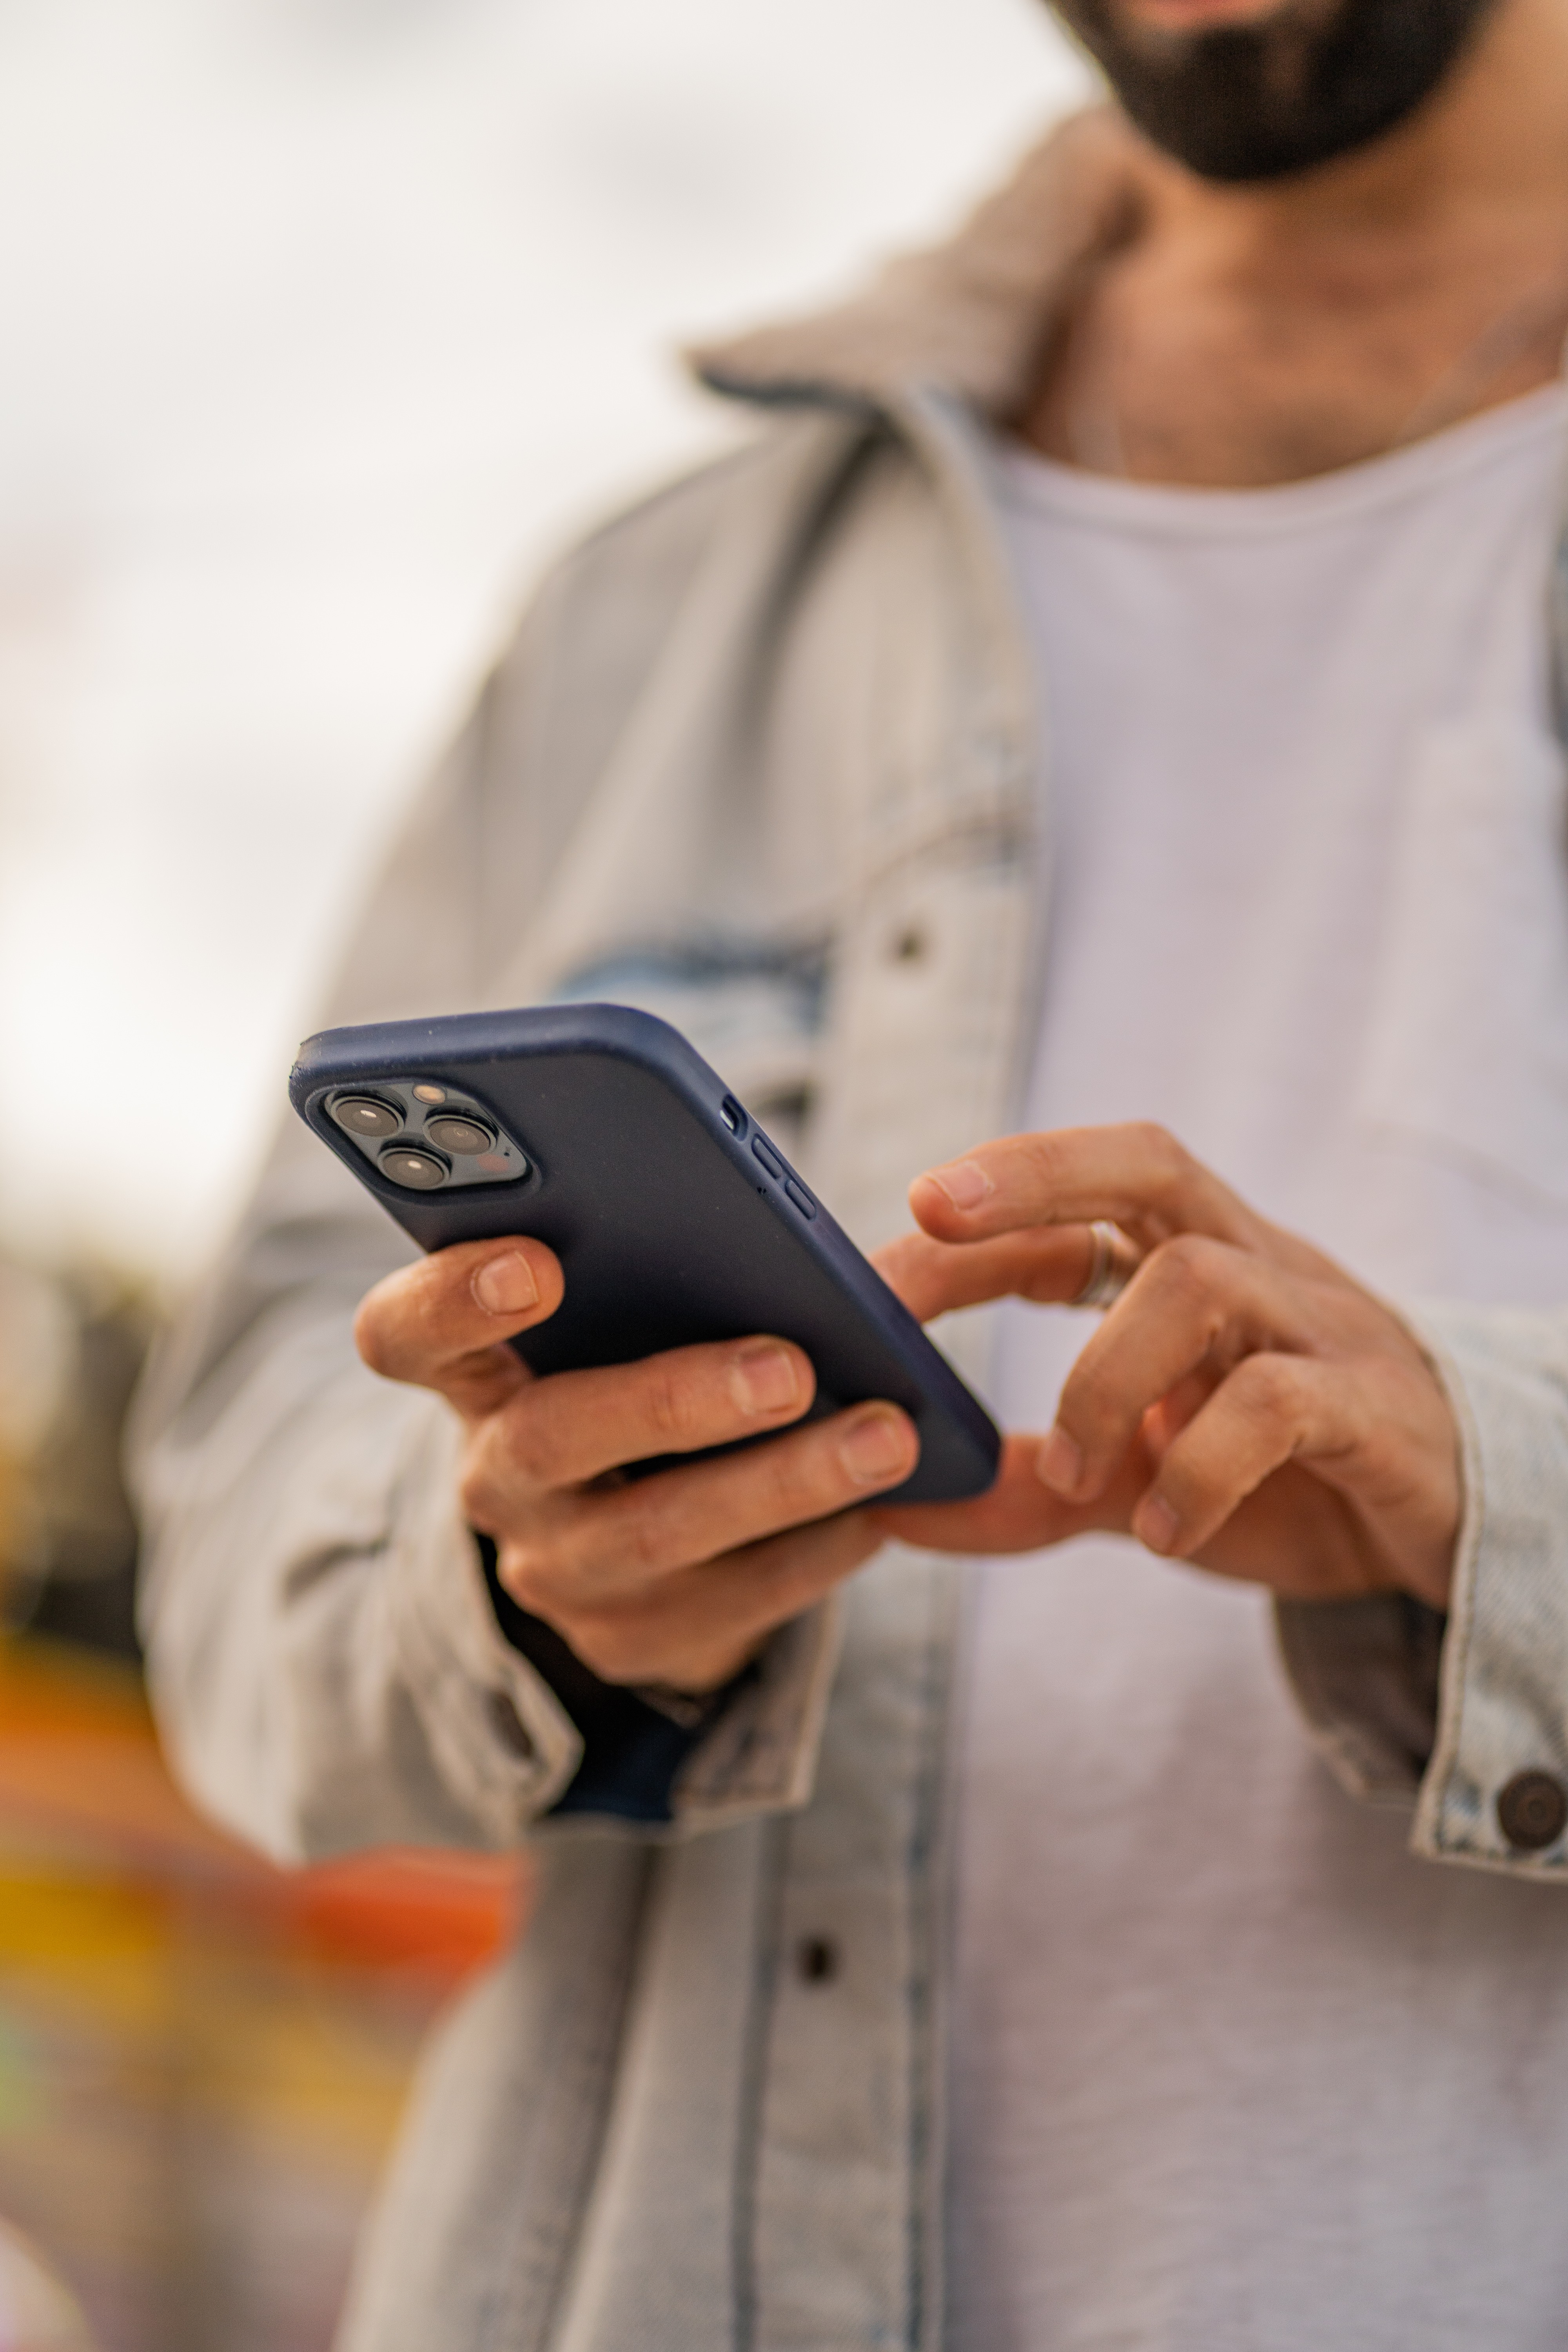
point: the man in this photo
(1116, 691)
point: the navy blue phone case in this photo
(675, 1218)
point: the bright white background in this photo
(323, 322)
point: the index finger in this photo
(1136, 1176)
(1048, 1264)
(443, 1323)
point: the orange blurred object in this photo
(202, 2057)
(80, 1768)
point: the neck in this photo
(1248, 334)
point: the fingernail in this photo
(765, 1379)
(874, 1448)
(965, 1181)
(505, 1286)
(1154, 1522)
(1060, 1463)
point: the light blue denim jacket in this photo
(754, 737)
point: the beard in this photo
(1256, 101)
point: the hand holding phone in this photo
(626, 1272)
(673, 1578)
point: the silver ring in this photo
(1112, 1267)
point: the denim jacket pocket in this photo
(1466, 1051)
(753, 1010)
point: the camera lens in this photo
(363, 1115)
(421, 1170)
(453, 1134)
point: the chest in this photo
(1239, 676)
(1309, 898)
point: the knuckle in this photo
(1267, 1387)
(670, 1400)
(1046, 1159)
(477, 1497)
(615, 1650)
(804, 1481)
(527, 1573)
(1168, 1162)
(374, 1327)
(1187, 1256)
(1188, 1269)
(528, 1439)
(648, 1537)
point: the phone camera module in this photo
(464, 1136)
(365, 1115)
(420, 1171)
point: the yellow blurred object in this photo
(202, 2058)
(37, 2315)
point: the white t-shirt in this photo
(1232, 2072)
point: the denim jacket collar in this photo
(971, 317)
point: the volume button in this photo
(769, 1158)
(800, 1197)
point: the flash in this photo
(427, 1094)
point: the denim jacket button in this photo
(1532, 1811)
(816, 1959)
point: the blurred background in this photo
(325, 321)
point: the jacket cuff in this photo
(499, 1738)
(1467, 1715)
(634, 1741)
(756, 1754)
(685, 1768)
(761, 1755)
(1365, 1677)
(1496, 1791)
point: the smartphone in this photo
(601, 1131)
